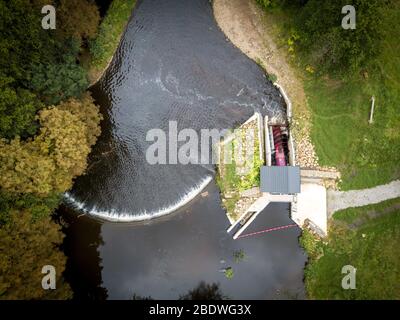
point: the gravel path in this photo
(338, 200)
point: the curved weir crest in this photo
(126, 217)
(173, 64)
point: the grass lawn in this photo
(367, 155)
(368, 239)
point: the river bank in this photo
(244, 24)
(366, 154)
(105, 45)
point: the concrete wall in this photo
(311, 205)
(292, 154)
(268, 149)
(287, 100)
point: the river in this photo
(173, 64)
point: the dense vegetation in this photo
(366, 238)
(104, 45)
(48, 124)
(342, 70)
(316, 30)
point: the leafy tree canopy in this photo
(49, 162)
(23, 42)
(78, 18)
(26, 246)
(333, 48)
(17, 109)
(317, 31)
(58, 81)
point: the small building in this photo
(280, 179)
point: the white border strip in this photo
(268, 150)
(287, 100)
(292, 154)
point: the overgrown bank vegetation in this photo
(241, 171)
(103, 47)
(48, 124)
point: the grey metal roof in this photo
(280, 179)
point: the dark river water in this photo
(167, 257)
(173, 64)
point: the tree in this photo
(332, 48)
(38, 166)
(35, 65)
(88, 113)
(23, 42)
(56, 82)
(17, 110)
(78, 18)
(49, 162)
(25, 247)
(204, 291)
(45, 61)
(38, 207)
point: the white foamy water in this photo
(113, 215)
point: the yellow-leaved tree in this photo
(33, 174)
(25, 247)
(49, 162)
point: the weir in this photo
(141, 216)
(162, 72)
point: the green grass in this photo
(367, 155)
(110, 31)
(352, 215)
(229, 181)
(371, 247)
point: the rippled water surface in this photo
(167, 257)
(173, 64)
